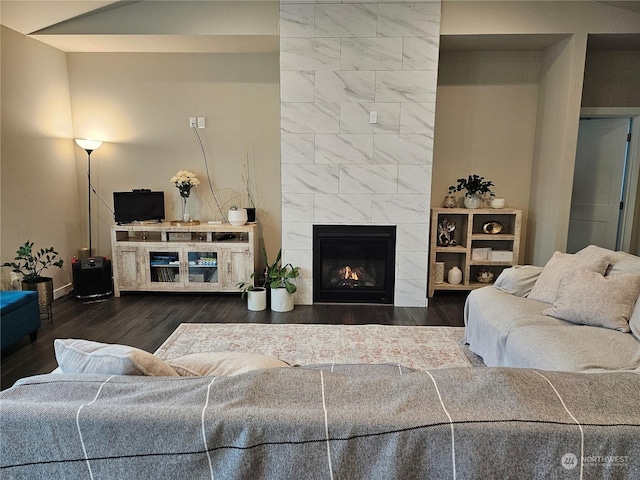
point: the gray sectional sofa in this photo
(368, 422)
(577, 314)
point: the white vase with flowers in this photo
(185, 181)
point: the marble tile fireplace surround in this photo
(357, 91)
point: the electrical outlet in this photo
(200, 122)
(193, 122)
(373, 117)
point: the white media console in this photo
(176, 257)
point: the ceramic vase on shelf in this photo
(449, 201)
(472, 201)
(438, 272)
(454, 277)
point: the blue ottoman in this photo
(19, 316)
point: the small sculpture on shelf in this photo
(446, 230)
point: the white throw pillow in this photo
(222, 363)
(548, 283)
(518, 280)
(85, 356)
(618, 261)
(588, 298)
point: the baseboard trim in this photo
(62, 291)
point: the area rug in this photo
(415, 347)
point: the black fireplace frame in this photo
(354, 233)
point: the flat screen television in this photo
(138, 206)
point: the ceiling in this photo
(182, 26)
(218, 26)
(28, 16)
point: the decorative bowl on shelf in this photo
(484, 275)
(497, 203)
(492, 227)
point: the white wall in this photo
(39, 186)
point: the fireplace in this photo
(354, 263)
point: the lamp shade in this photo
(88, 144)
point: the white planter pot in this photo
(238, 217)
(281, 300)
(257, 299)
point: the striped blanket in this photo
(324, 422)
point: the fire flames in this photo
(347, 273)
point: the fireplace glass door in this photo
(354, 264)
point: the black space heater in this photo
(92, 278)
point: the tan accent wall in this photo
(39, 185)
(140, 104)
(486, 121)
(611, 79)
(558, 31)
(555, 148)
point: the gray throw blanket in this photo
(355, 422)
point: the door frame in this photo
(632, 172)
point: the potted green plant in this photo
(476, 187)
(281, 280)
(256, 296)
(31, 263)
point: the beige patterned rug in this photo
(416, 347)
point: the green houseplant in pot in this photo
(31, 263)
(281, 280)
(476, 187)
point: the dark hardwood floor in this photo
(145, 320)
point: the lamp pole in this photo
(89, 146)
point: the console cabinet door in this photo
(130, 268)
(237, 267)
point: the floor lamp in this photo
(89, 146)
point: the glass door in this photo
(164, 266)
(202, 267)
